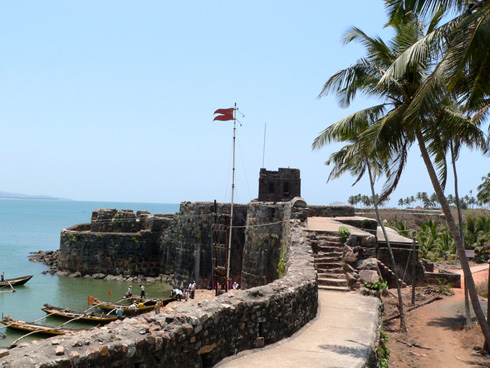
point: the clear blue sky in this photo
(114, 100)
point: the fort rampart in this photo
(274, 254)
(192, 336)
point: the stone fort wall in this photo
(191, 336)
(183, 244)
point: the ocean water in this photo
(31, 225)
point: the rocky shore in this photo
(51, 259)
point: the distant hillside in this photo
(7, 195)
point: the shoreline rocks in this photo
(50, 259)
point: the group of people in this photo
(189, 292)
(129, 293)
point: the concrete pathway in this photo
(342, 335)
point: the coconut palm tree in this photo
(483, 194)
(464, 44)
(357, 158)
(464, 68)
(398, 121)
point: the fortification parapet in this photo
(191, 336)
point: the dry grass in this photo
(482, 288)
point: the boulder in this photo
(368, 264)
(369, 276)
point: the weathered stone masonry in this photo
(192, 336)
(122, 243)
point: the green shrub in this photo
(379, 285)
(344, 232)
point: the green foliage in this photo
(383, 351)
(443, 287)
(72, 238)
(344, 232)
(118, 219)
(366, 200)
(135, 240)
(378, 285)
(435, 241)
(281, 265)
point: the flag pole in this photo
(231, 208)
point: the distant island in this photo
(7, 195)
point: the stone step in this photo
(330, 237)
(325, 265)
(333, 271)
(327, 258)
(328, 254)
(333, 288)
(331, 281)
(328, 250)
(333, 275)
(330, 244)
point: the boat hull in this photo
(15, 281)
(78, 315)
(31, 327)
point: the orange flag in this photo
(110, 293)
(90, 300)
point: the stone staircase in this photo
(385, 270)
(328, 251)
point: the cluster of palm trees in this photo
(430, 201)
(432, 81)
(436, 242)
(367, 201)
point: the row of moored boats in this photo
(107, 315)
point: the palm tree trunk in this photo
(467, 312)
(403, 326)
(480, 316)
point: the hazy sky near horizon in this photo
(114, 100)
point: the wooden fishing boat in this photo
(34, 327)
(15, 281)
(149, 301)
(110, 306)
(80, 315)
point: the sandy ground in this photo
(436, 335)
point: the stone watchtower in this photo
(279, 186)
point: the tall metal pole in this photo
(232, 197)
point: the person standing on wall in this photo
(2, 277)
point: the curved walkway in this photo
(343, 334)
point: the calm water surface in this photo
(32, 225)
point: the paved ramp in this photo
(343, 335)
(330, 225)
